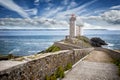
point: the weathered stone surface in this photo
(37, 69)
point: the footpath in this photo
(98, 65)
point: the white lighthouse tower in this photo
(72, 26)
(79, 29)
(75, 30)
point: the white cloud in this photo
(47, 8)
(109, 27)
(52, 12)
(32, 11)
(107, 20)
(65, 2)
(115, 7)
(72, 5)
(37, 22)
(9, 4)
(112, 16)
(77, 11)
(90, 26)
(36, 2)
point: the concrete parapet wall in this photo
(37, 69)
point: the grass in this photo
(68, 66)
(80, 41)
(117, 62)
(83, 38)
(52, 48)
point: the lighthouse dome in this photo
(73, 17)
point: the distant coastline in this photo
(32, 29)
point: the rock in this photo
(97, 42)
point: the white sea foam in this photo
(110, 44)
(38, 43)
(14, 50)
(31, 43)
(33, 51)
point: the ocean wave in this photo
(33, 51)
(38, 43)
(110, 44)
(14, 50)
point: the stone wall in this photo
(37, 69)
(65, 46)
(115, 55)
(72, 44)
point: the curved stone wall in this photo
(37, 69)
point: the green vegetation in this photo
(52, 77)
(83, 38)
(79, 41)
(47, 77)
(11, 56)
(52, 48)
(69, 66)
(59, 73)
(86, 41)
(117, 62)
(7, 57)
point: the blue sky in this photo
(100, 14)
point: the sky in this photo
(55, 14)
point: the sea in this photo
(27, 42)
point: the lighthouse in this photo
(74, 30)
(72, 26)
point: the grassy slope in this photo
(80, 41)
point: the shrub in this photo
(53, 48)
(10, 56)
(60, 72)
(52, 77)
(117, 62)
(68, 66)
(47, 77)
